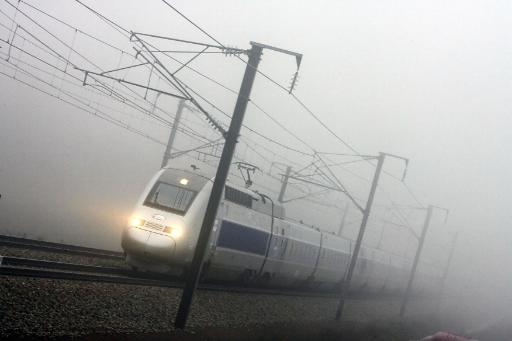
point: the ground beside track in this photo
(59, 257)
(288, 331)
(50, 308)
(101, 311)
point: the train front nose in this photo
(150, 241)
(134, 240)
(160, 247)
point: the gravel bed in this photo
(60, 257)
(45, 307)
(42, 307)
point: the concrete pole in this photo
(172, 135)
(446, 270)
(416, 260)
(366, 214)
(218, 186)
(381, 237)
(284, 184)
(344, 219)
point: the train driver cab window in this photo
(170, 198)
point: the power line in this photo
(138, 108)
(85, 33)
(77, 79)
(73, 27)
(346, 144)
(245, 126)
(119, 28)
(65, 44)
(58, 55)
(194, 24)
(96, 113)
(111, 22)
(108, 21)
(300, 102)
(167, 123)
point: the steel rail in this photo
(45, 264)
(58, 247)
(34, 268)
(98, 278)
(25, 267)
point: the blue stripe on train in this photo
(242, 238)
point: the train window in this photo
(238, 197)
(170, 198)
(242, 238)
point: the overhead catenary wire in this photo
(70, 26)
(129, 129)
(298, 100)
(61, 41)
(57, 54)
(183, 129)
(126, 34)
(92, 63)
(60, 70)
(218, 83)
(95, 112)
(165, 122)
(125, 31)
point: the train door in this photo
(276, 262)
(210, 253)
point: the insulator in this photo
(294, 82)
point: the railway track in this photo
(34, 268)
(58, 247)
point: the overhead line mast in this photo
(231, 137)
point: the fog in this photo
(429, 81)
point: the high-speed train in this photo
(252, 240)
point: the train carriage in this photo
(252, 240)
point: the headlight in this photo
(174, 231)
(137, 222)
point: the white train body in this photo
(251, 239)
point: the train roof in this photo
(194, 166)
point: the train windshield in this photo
(170, 198)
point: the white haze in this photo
(430, 81)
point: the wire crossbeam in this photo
(119, 80)
(224, 49)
